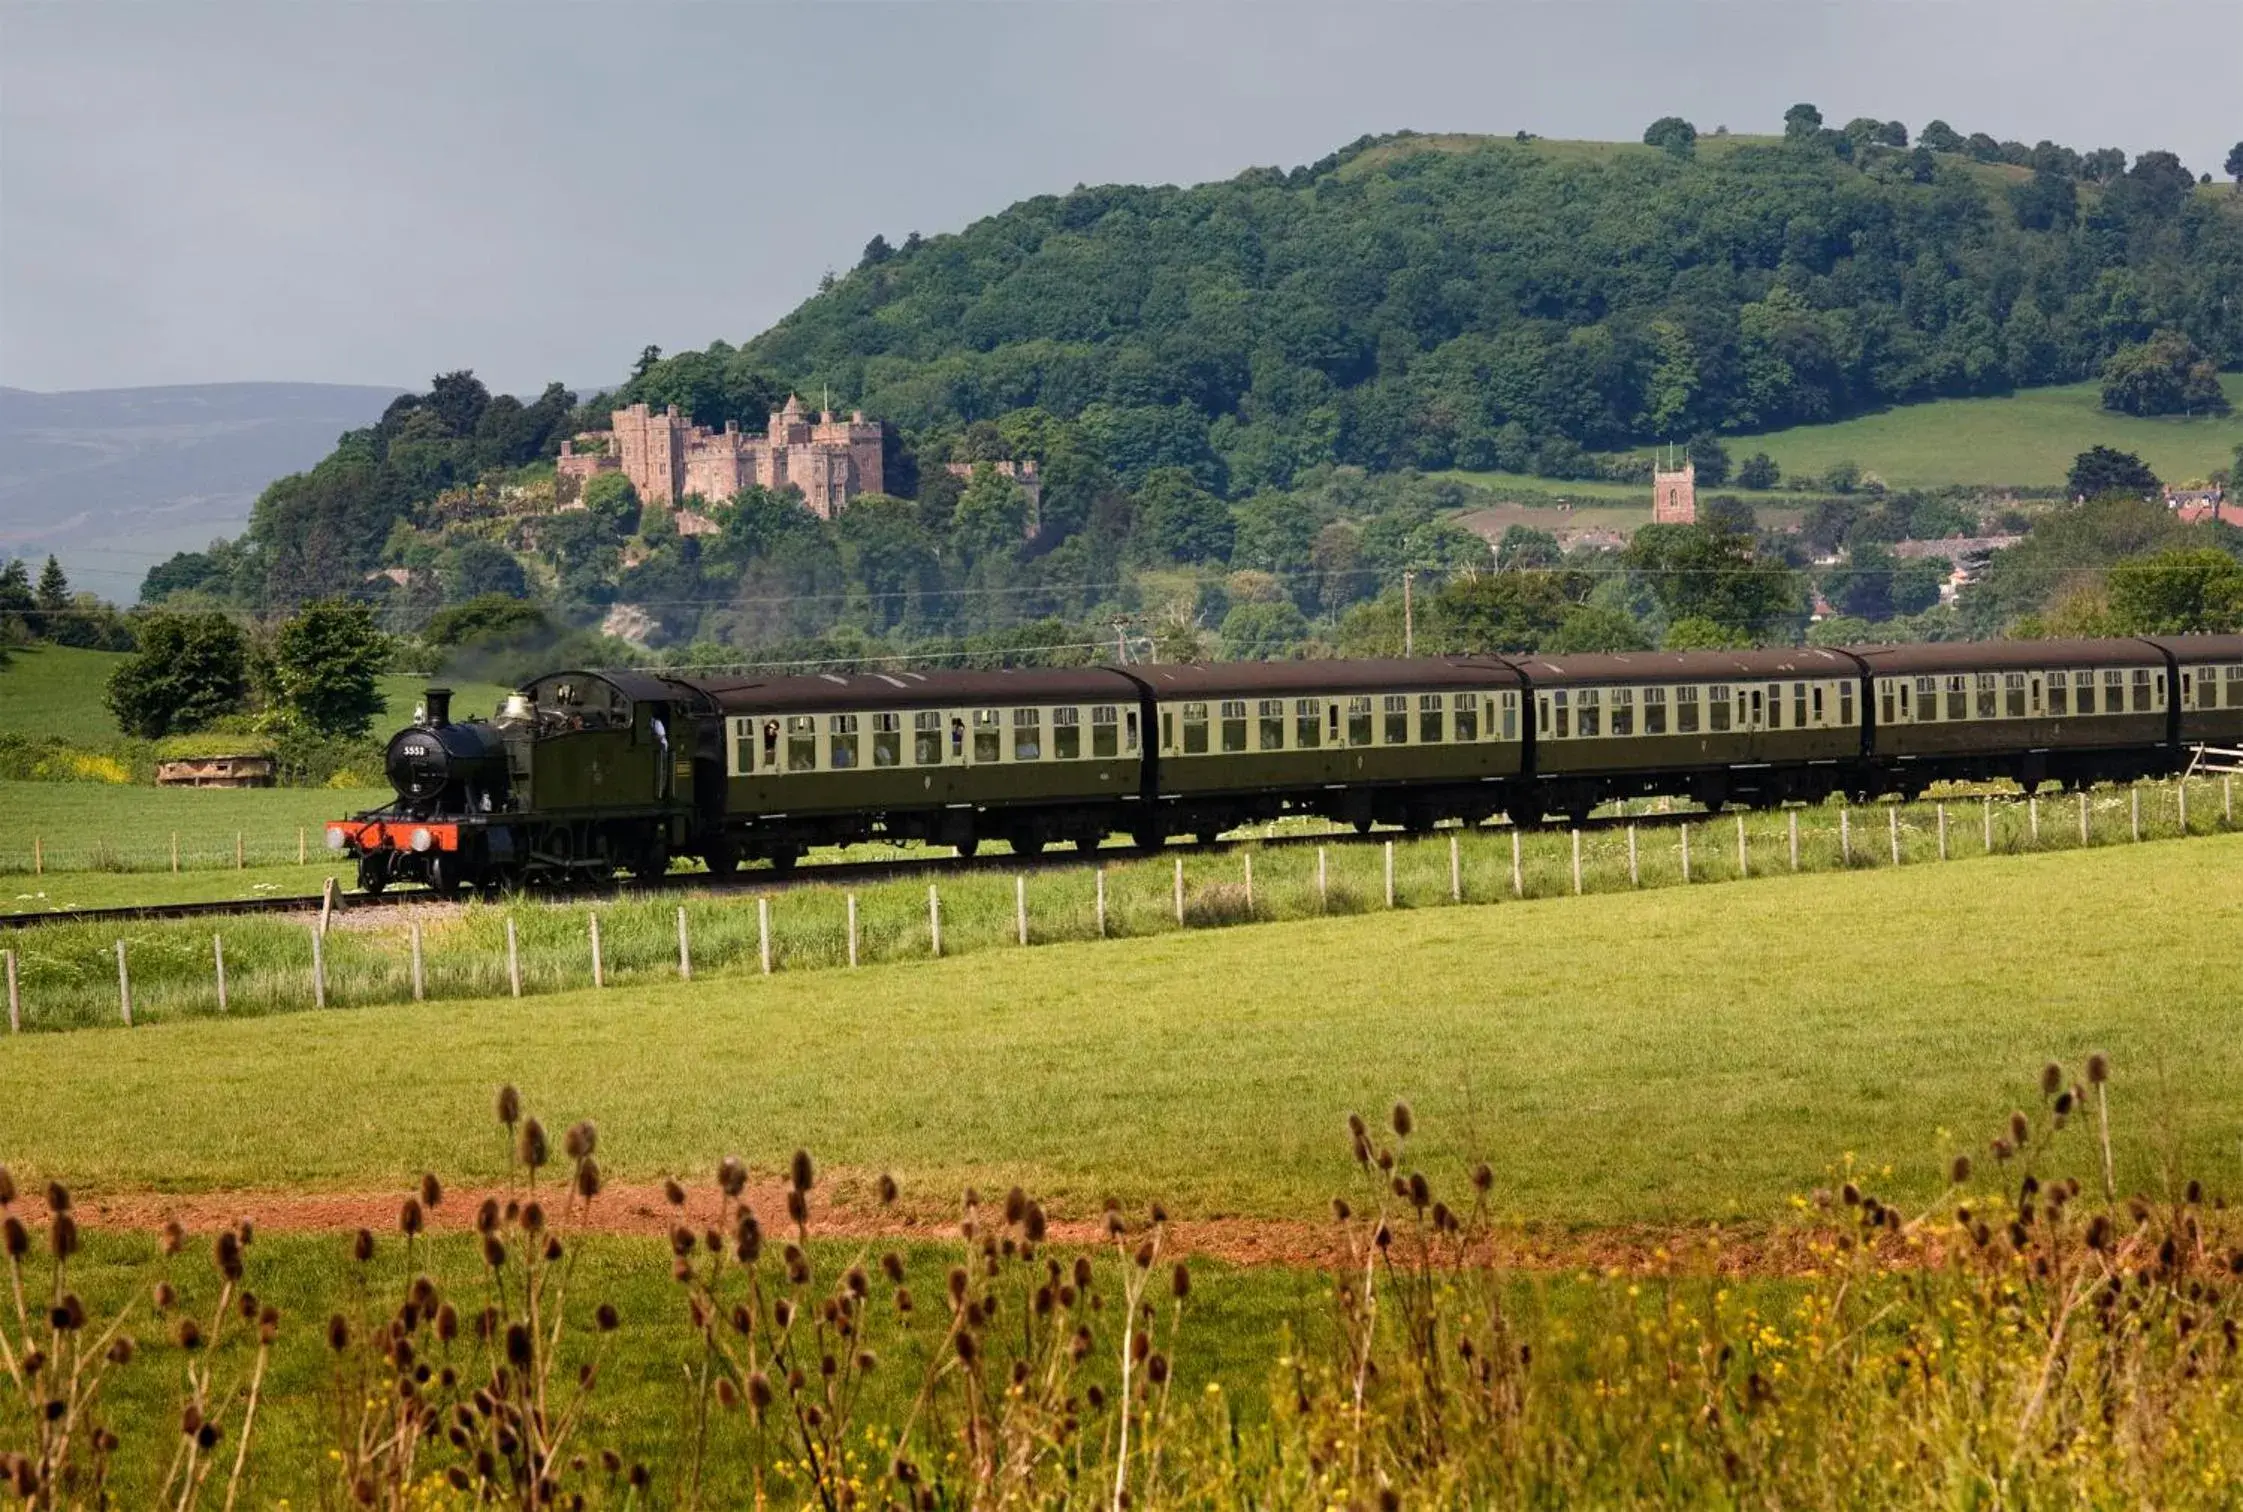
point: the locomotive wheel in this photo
(783, 859)
(651, 863)
(1087, 845)
(443, 875)
(373, 873)
(1028, 845)
(721, 858)
(968, 846)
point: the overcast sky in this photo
(371, 193)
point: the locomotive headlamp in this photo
(334, 838)
(422, 839)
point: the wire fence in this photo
(70, 976)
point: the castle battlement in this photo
(668, 458)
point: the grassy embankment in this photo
(1683, 1054)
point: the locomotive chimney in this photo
(439, 701)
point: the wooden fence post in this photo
(1846, 833)
(852, 929)
(1248, 857)
(299, 845)
(1943, 832)
(1986, 810)
(1577, 863)
(1020, 908)
(2083, 817)
(599, 966)
(2180, 795)
(2137, 796)
(513, 959)
(1456, 871)
(175, 852)
(218, 962)
(763, 931)
(239, 862)
(1389, 874)
(1892, 823)
(1686, 852)
(326, 903)
(1179, 892)
(2033, 817)
(124, 986)
(1744, 857)
(1518, 870)
(1635, 872)
(1323, 884)
(15, 1000)
(420, 982)
(38, 857)
(2227, 799)
(685, 949)
(1793, 816)
(934, 919)
(319, 965)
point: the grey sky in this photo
(371, 193)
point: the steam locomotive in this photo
(581, 775)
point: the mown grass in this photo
(91, 826)
(1670, 1056)
(56, 690)
(2026, 440)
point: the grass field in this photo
(2027, 439)
(1668, 1056)
(94, 826)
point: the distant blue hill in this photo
(113, 481)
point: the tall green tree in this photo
(326, 659)
(1672, 135)
(2165, 375)
(190, 670)
(51, 600)
(1704, 574)
(2102, 472)
(2182, 592)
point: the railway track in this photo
(823, 874)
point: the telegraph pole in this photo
(1409, 618)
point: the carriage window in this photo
(1717, 707)
(989, 734)
(1358, 721)
(1066, 734)
(1563, 727)
(842, 732)
(1195, 729)
(926, 738)
(1129, 730)
(1429, 718)
(1510, 716)
(1799, 705)
(1686, 711)
(2207, 687)
(1467, 716)
(2059, 693)
(1397, 719)
(1102, 727)
(1308, 723)
(887, 740)
(1958, 697)
(2013, 694)
(1654, 711)
(1234, 725)
(1775, 705)
(743, 747)
(2114, 692)
(1927, 699)
(1846, 703)
(2235, 687)
(2141, 690)
(1027, 734)
(1588, 713)
(802, 742)
(2083, 692)
(1623, 711)
(1270, 713)
(1819, 710)
(1885, 700)
(1985, 700)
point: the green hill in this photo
(1493, 305)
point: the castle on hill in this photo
(669, 459)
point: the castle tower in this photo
(1674, 495)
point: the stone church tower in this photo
(1674, 495)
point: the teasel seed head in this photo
(891, 1266)
(1421, 1190)
(58, 1197)
(2020, 1132)
(518, 1345)
(1016, 1205)
(227, 1256)
(509, 1105)
(582, 1138)
(1341, 1212)
(2052, 1079)
(607, 1318)
(759, 1391)
(2098, 1069)
(798, 1206)
(732, 1175)
(7, 1187)
(410, 1219)
(338, 1333)
(533, 1150)
(1180, 1281)
(800, 1172)
(887, 1190)
(587, 1178)
(1482, 1177)
(62, 1236)
(1033, 1223)
(188, 1334)
(486, 1216)
(1404, 1120)
(672, 1192)
(1959, 1172)
(494, 1251)
(174, 1238)
(362, 1246)
(432, 1191)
